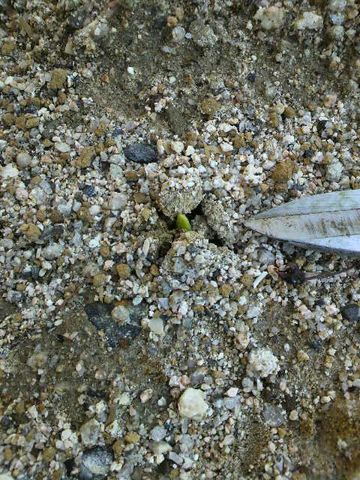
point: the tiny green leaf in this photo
(182, 223)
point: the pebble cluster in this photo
(135, 349)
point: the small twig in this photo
(295, 276)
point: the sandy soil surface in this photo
(145, 332)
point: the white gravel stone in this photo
(174, 457)
(310, 21)
(156, 325)
(192, 404)
(270, 18)
(262, 363)
(39, 196)
(124, 399)
(118, 201)
(90, 432)
(121, 314)
(232, 392)
(95, 463)
(177, 146)
(146, 395)
(62, 147)
(158, 433)
(53, 251)
(294, 415)
(9, 171)
(159, 448)
(334, 171)
(23, 159)
(178, 34)
(226, 147)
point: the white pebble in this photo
(294, 415)
(262, 363)
(226, 147)
(53, 251)
(146, 395)
(158, 433)
(120, 314)
(270, 18)
(156, 325)
(23, 159)
(117, 201)
(62, 147)
(334, 171)
(178, 34)
(90, 432)
(310, 21)
(232, 392)
(192, 404)
(9, 171)
(177, 146)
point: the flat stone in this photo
(203, 35)
(156, 325)
(31, 231)
(62, 147)
(309, 21)
(140, 153)
(118, 201)
(270, 18)
(351, 312)
(120, 314)
(85, 157)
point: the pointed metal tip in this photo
(254, 224)
(327, 221)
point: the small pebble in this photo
(262, 363)
(53, 251)
(158, 433)
(351, 312)
(140, 153)
(23, 159)
(156, 325)
(62, 147)
(192, 404)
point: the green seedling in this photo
(182, 223)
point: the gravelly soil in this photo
(131, 349)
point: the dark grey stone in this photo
(99, 314)
(140, 153)
(51, 233)
(351, 312)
